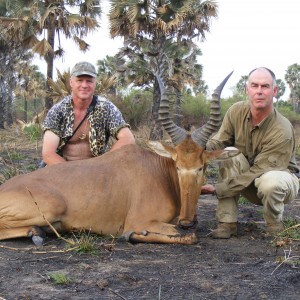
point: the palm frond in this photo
(30, 41)
(83, 46)
(42, 48)
(106, 83)
(60, 52)
(60, 88)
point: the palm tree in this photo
(150, 27)
(108, 73)
(292, 77)
(36, 24)
(11, 54)
(30, 86)
(241, 85)
(186, 70)
(280, 92)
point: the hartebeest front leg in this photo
(36, 233)
(162, 233)
(151, 237)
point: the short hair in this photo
(267, 69)
(270, 71)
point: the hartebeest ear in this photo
(220, 155)
(162, 149)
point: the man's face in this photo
(83, 87)
(260, 89)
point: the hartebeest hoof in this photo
(37, 235)
(126, 236)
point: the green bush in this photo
(288, 112)
(60, 279)
(33, 131)
(195, 110)
(135, 107)
(228, 102)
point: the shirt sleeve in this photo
(52, 120)
(115, 120)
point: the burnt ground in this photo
(248, 266)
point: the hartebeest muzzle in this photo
(188, 224)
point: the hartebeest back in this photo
(131, 191)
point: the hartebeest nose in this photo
(187, 224)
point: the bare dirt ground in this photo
(249, 266)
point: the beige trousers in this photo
(272, 190)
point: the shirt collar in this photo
(266, 120)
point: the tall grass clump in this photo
(33, 132)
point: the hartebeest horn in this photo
(176, 133)
(201, 135)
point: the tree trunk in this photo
(8, 107)
(1, 110)
(25, 110)
(156, 130)
(49, 60)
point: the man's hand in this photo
(208, 189)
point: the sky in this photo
(247, 34)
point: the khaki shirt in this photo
(267, 146)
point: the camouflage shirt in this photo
(267, 146)
(105, 121)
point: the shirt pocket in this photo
(273, 161)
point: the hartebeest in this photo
(131, 191)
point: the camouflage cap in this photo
(84, 68)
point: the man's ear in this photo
(275, 90)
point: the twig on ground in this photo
(16, 249)
(117, 294)
(288, 257)
(56, 251)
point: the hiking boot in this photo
(274, 228)
(224, 230)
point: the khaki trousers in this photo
(272, 190)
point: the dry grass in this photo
(18, 154)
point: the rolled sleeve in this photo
(115, 120)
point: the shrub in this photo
(195, 110)
(33, 131)
(288, 112)
(135, 107)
